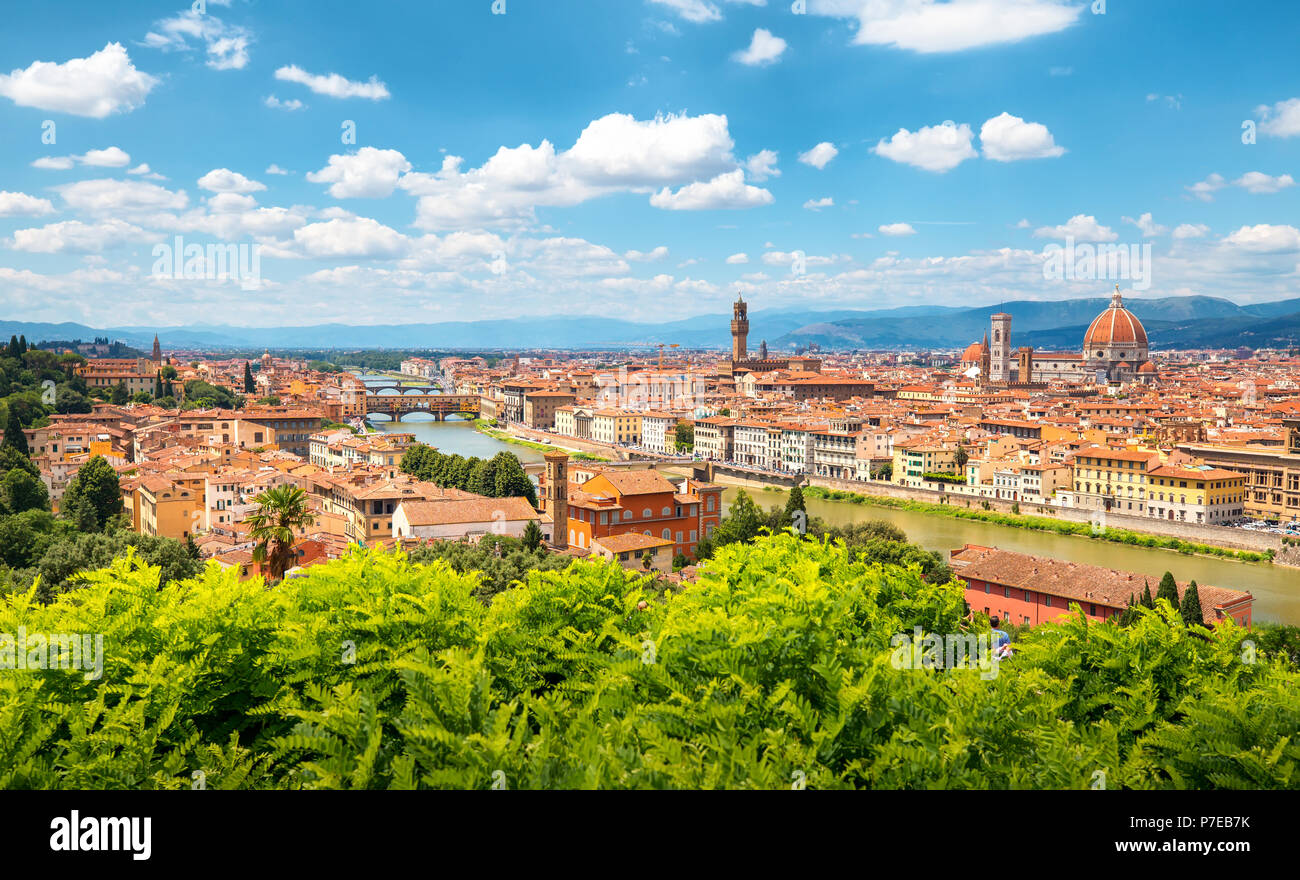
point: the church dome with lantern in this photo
(1115, 340)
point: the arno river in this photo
(1276, 588)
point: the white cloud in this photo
(227, 46)
(1266, 239)
(738, 259)
(897, 229)
(276, 104)
(110, 157)
(274, 169)
(334, 85)
(1023, 223)
(819, 155)
(726, 191)
(1150, 229)
(1081, 227)
(1280, 120)
(762, 165)
(223, 180)
(54, 163)
(818, 204)
(934, 148)
(143, 170)
(368, 173)
(16, 204)
(646, 256)
(932, 26)
(73, 236)
(692, 10)
(1191, 230)
(358, 238)
(1260, 183)
(1207, 187)
(96, 86)
(1007, 138)
(120, 197)
(764, 48)
(615, 153)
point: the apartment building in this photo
(1113, 479)
(1201, 494)
(615, 502)
(715, 438)
(659, 432)
(616, 427)
(540, 407)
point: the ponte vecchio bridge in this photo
(382, 400)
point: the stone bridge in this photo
(437, 405)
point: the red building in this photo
(616, 502)
(1028, 590)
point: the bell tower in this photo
(555, 497)
(739, 330)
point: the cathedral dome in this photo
(1115, 326)
(973, 353)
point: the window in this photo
(1047, 600)
(987, 587)
(627, 514)
(1006, 592)
(1027, 599)
(668, 511)
(668, 535)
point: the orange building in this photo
(1029, 590)
(615, 502)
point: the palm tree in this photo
(280, 511)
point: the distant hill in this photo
(1171, 322)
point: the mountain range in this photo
(1171, 322)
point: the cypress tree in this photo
(1168, 590)
(249, 385)
(1191, 607)
(1147, 600)
(793, 503)
(22, 344)
(14, 435)
(12, 351)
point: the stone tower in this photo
(157, 350)
(555, 498)
(739, 330)
(762, 350)
(1000, 350)
(985, 367)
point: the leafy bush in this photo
(374, 672)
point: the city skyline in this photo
(654, 159)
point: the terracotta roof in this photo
(1076, 581)
(471, 510)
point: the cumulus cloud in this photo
(1007, 138)
(738, 259)
(951, 26)
(109, 157)
(1081, 227)
(1150, 229)
(73, 236)
(896, 229)
(726, 191)
(334, 85)
(1260, 183)
(1266, 239)
(762, 165)
(96, 86)
(820, 155)
(1280, 120)
(223, 180)
(1206, 188)
(276, 104)
(360, 237)
(937, 148)
(764, 48)
(1191, 230)
(369, 173)
(646, 256)
(274, 169)
(615, 153)
(818, 204)
(16, 204)
(120, 197)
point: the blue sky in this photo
(643, 159)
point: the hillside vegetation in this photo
(773, 670)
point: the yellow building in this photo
(167, 509)
(1113, 479)
(1195, 494)
(616, 427)
(912, 460)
